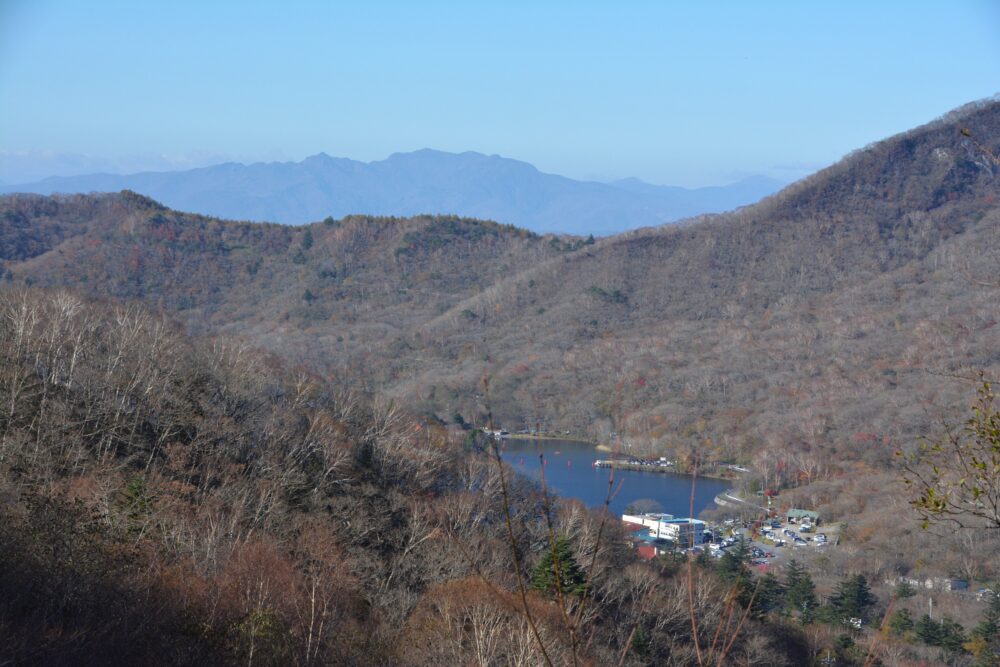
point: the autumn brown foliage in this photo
(311, 506)
(174, 500)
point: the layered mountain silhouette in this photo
(426, 181)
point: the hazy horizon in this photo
(40, 165)
(679, 95)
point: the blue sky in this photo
(687, 93)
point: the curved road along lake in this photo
(569, 472)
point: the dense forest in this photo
(215, 411)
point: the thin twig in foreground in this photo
(870, 658)
(690, 576)
(510, 535)
(556, 564)
(609, 495)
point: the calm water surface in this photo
(569, 472)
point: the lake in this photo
(569, 472)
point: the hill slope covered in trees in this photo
(168, 500)
(768, 324)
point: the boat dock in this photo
(640, 465)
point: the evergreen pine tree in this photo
(905, 590)
(558, 565)
(900, 622)
(952, 635)
(770, 594)
(733, 569)
(640, 643)
(852, 598)
(989, 627)
(800, 592)
(732, 565)
(137, 502)
(928, 631)
(984, 640)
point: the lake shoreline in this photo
(665, 470)
(601, 447)
(569, 472)
(561, 438)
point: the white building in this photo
(665, 526)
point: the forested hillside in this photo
(763, 326)
(817, 318)
(168, 500)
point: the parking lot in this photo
(773, 540)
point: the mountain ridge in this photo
(470, 184)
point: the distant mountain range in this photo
(424, 181)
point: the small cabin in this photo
(800, 516)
